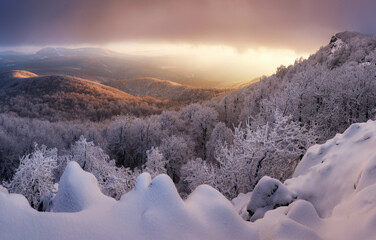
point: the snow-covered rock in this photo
(336, 44)
(268, 194)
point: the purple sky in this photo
(301, 25)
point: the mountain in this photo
(7, 77)
(163, 89)
(59, 97)
(12, 53)
(66, 52)
(330, 90)
(102, 65)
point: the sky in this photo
(283, 29)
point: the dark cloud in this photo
(297, 24)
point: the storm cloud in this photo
(294, 24)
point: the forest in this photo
(229, 142)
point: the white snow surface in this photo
(240, 203)
(153, 210)
(335, 191)
(79, 190)
(332, 195)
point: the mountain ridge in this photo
(59, 97)
(164, 89)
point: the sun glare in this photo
(244, 64)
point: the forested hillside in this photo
(163, 89)
(229, 143)
(326, 92)
(63, 97)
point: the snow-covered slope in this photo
(333, 191)
(331, 196)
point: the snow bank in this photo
(79, 190)
(3, 189)
(335, 185)
(240, 203)
(153, 210)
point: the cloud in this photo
(294, 24)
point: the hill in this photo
(7, 77)
(330, 90)
(163, 89)
(59, 97)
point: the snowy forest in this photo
(245, 144)
(228, 143)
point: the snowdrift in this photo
(153, 210)
(332, 195)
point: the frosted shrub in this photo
(35, 175)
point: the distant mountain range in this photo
(102, 65)
(66, 52)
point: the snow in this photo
(79, 190)
(335, 187)
(336, 45)
(152, 210)
(3, 189)
(332, 195)
(268, 194)
(344, 161)
(240, 203)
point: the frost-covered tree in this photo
(156, 163)
(112, 180)
(196, 172)
(34, 177)
(221, 134)
(272, 149)
(200, 121)
(176, 150)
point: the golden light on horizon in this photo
(225, 63)
(242, 64)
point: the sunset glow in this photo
(243, 39)
(244, 64)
